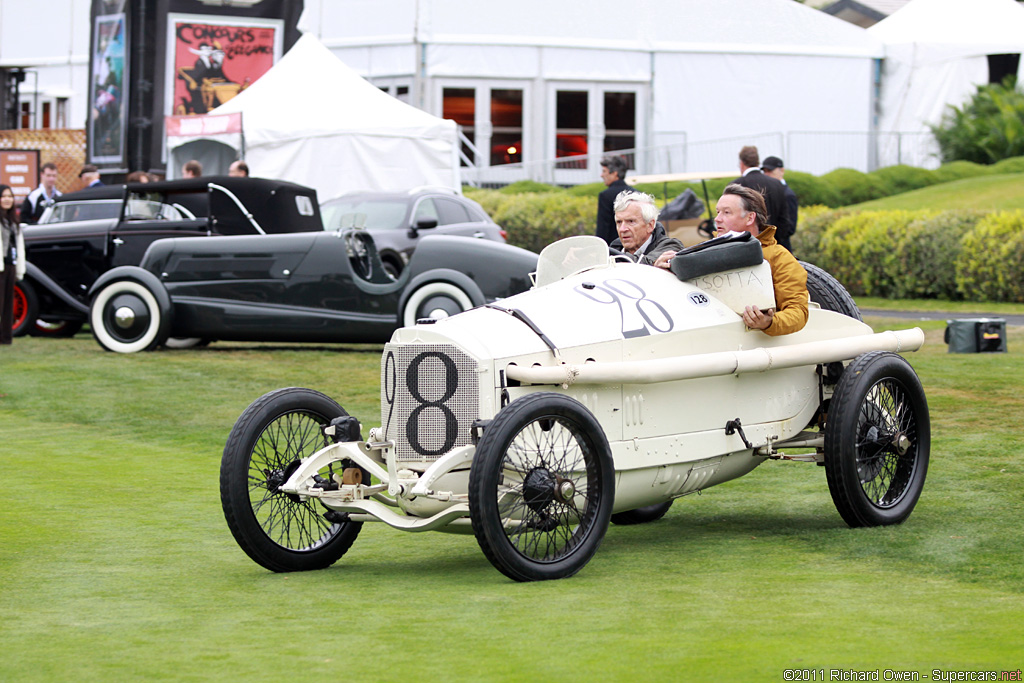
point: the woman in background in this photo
(12, 263)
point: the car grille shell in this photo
(429, 399)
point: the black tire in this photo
(541, 488)
(279, 531)
(648, 513)
(56, 330)
(26, 308)
(436, 300)
(877, 441)
(126, 317)
(827, 292)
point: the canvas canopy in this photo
(312, 120)
(936, 55)
(213, 141)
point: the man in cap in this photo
(90, 176)
(774, 168)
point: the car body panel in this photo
(302, 287)
(75, 252)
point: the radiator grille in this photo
(428, 399)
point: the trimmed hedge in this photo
(947, 255)
(991, 263)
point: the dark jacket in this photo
(606, 210)
(34, 205)
(774, 194)
(660, 243)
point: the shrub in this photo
(811, 190)
(903, 178)
(587, 190)
(956, 170)
(535, 220)
(1011, 165)
(991, 263)
(528, 186)
(986, 129)
(928, 253)
(860, 250)
(814, 221)
(854, 187)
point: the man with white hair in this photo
(641, 236)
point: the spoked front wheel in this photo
(877, 441)
(541, 488)
(278, 530)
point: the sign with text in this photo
(20, 170)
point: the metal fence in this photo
(814, 152)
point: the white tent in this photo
(936, 55)
(312, 120)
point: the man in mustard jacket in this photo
(742, 209)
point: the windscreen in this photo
(366, 214)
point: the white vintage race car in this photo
(604, 393)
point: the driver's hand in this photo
(756, 319)
(665, 259)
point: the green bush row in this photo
(949, 255)
(841, 187)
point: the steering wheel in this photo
(358, 250)
(706, 228)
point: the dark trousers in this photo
(7, 278)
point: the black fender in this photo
(41, 280)
(140, 275)
(454, 277)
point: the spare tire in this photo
(826, 291)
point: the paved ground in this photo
(939, 315)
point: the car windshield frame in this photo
(389, 213)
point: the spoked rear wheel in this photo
(877, 441)
(278, 530)
(541, 488)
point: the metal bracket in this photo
(734, 426)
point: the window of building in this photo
(26, 116)
(46, 109)
(459, 105)
(1001, 66)
(571, 126)
(506, 127)
(619, 121)
(62, 112)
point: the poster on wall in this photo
(210, 59)
(108, 94)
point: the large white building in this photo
(543, 89)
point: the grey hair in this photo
(615, 164)
(648, 209)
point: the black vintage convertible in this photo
(326, 286)
(89, 232)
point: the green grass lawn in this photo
(988, 193)
(116, 563)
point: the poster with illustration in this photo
(211, 59)
(108, 94)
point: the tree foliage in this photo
(988, 128)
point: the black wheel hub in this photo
(126, 317)
(539, 488)
(277, 478)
